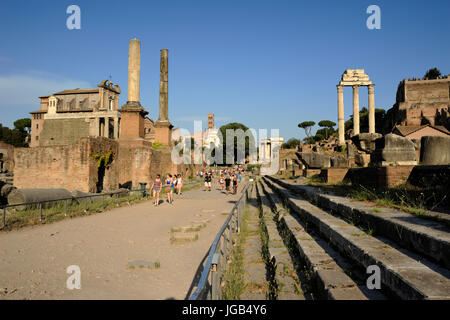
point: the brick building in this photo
(420, 102)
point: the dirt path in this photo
(33, 261)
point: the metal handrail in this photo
(212, 255)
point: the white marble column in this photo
(355, 110)
(371, 108)
(341, 128)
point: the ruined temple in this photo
(420, 102)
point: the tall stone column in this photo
(164, 87)
(116, 127)
(132, 114)
(134, 70)
(163, 128)
(97, 127)
(355, 110)
(106, 127)
(371, 108)
(341, 128)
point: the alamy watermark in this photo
(74, 280)
(74, 20)
(374, 20)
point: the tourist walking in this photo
(235, 184)
(227, 183)
(208, 182)
(179, 184)
(169, 188)
(156, 186)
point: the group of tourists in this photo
(171, 183)
(228, 180)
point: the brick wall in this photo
(333, 175)
(393, 175)
(71, 167)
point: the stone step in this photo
(325, 264)
(255, 273)
(279, 258)
(405, 276)
(424, 236)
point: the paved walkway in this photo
(33, 261)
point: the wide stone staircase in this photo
(322, 246)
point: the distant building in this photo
(69, 115)
(209, 137)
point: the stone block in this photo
(315, 160)
(393, 149)
(435, 150)
(338, 162)
(366, 141)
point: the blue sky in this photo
(267, 64)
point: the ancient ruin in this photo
(355, 78)
(83, 141)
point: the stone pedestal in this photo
(163, 132)
(132, 121)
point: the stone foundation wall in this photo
(63, 132)
(71, 167)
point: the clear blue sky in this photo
(267, 64)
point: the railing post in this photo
(230, 231)
(225, 246)
(40, 211)
(215, 282)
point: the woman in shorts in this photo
(179, 184)
(169, 188)
(157, 184)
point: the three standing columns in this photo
(356, 127)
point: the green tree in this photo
(23, 124)
(307, 126)
(328, 125)
(433, 73)
(364, 120)
(249, 141)
(290, 144)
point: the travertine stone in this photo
(116, 127)
(163, 87)
(355, 110)
(371, 108)
(134, 69)
(106, 127)
(340, 91)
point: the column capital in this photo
(355, 86)
(339, 88)
(370, 87)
